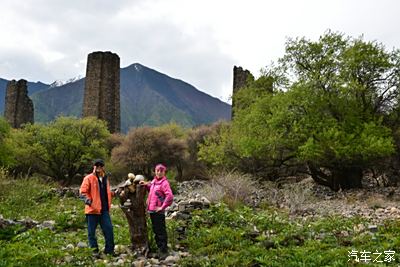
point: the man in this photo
(95, 192)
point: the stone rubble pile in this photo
(27, 223)
(312, 200)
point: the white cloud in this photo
(195, 41)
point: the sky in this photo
(198, 42)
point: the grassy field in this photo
(217, 236)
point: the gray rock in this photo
(138, 263)
(68, 258)
(81, 245)
(48, 224)
(171, 259)
(373, 228)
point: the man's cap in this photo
(98, 162)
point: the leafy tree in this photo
(60, 149)
(6, 157)
(144, 147)
(196, 168)
(330, 110)
(343, 88)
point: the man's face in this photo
(99, 167)
(160, 172)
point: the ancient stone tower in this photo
(18, 106)
(102, 96)
(240, 78)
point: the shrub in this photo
(60, 149)
(6, 156)
(230, 187)
(144, 147)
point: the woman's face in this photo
(160, 173)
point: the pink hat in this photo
(161, 167)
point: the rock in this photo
(171, 259)
(173, 215)
(182, 205)
(183, 254)
(128, 203)
(183, 216)
(69, 247)
(120, 249)
(68, 258)
(81, 245)
(138, 263)
(119, 262)
(359, 228)
(394, 210)
(154, 261)
(205, 201)
(373, 228)
(49, 224)
(138, 178)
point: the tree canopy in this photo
(328, 109)
(60, 149)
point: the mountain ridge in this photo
(148, 98)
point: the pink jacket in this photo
(160, 194)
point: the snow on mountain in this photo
(58, 83)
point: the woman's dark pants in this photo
(160, 231)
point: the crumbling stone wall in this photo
(240, 78)
(102, 89)
(18, 106)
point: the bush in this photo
(60, 149)
(6, 156)
(231, 188)
(144, 147)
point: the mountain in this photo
(32, 88)
(147, 97)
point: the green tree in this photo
(62, 148)
(144, 147)
(330, 111)
(6, 157)
(344, 88)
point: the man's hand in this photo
(143, 183)
(88, 202)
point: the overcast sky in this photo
(198, 42)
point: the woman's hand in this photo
(143, 183)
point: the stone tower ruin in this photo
(18, 106)
(102, 89)
(240, 78)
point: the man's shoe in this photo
(111, 254)
(96, 253)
